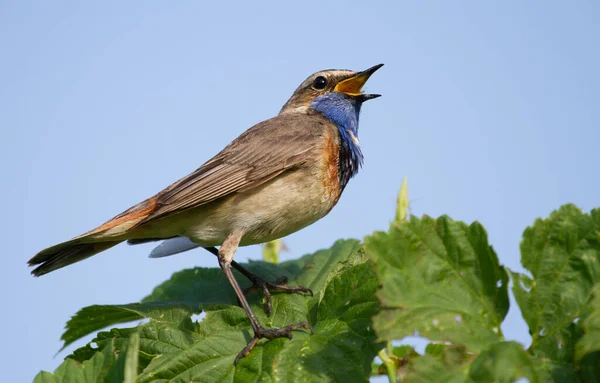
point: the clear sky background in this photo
(491, 109)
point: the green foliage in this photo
(172, 347)
(441, 280)
(107, 365)
(563, 255)
(435, 278)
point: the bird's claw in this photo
(280, 285)
(271, 333)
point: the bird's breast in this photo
(291, 201)
(330, 167)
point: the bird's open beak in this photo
(353, 86)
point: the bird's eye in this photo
(320, 83)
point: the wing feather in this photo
(259, 154)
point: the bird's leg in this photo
(225, 255)
(259, 283)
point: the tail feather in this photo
(170, 246)
(93, 242)
(141, 241)
(173, 246)
(66, 253)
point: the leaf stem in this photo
(271, 251)
(402, 204)
(390, 364)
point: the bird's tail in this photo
(66, 253)
(94, 241)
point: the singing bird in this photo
(276, 178)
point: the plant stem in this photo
(271, 251)
(402, 204)
(390, 364)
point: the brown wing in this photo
(258, 155)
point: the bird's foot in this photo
(259, 283)
(271, 333)
(280, 285)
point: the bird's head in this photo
(327, 90)
(338, 96)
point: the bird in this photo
(276, 178)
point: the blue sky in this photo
(491, 109)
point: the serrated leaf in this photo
(349, 297)
(155, 339)
(97, 317)
(186, 291)
(94, 370)
(440, 279)
(313, 271)
(197, 287)
(563, 255)
(590, 323)
(341, 348)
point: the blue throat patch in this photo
(343, 112)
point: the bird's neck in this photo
(344, 113)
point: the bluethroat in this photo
(276, 178)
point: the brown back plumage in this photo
(256, 156)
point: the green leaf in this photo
(173, 348)
(107, 364)
(186, 292)
(403, 351)
(441, 280)
(94, 318)
(589, 367)
(451, 355)
(436, 369)
(590, 323)
(197, 287)
(131, 361)
(341, 348)
(155, 339)
(436, 278)
(97, 369)
(190, 286)
(503, 362)
(563, 255)
(126, 367)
